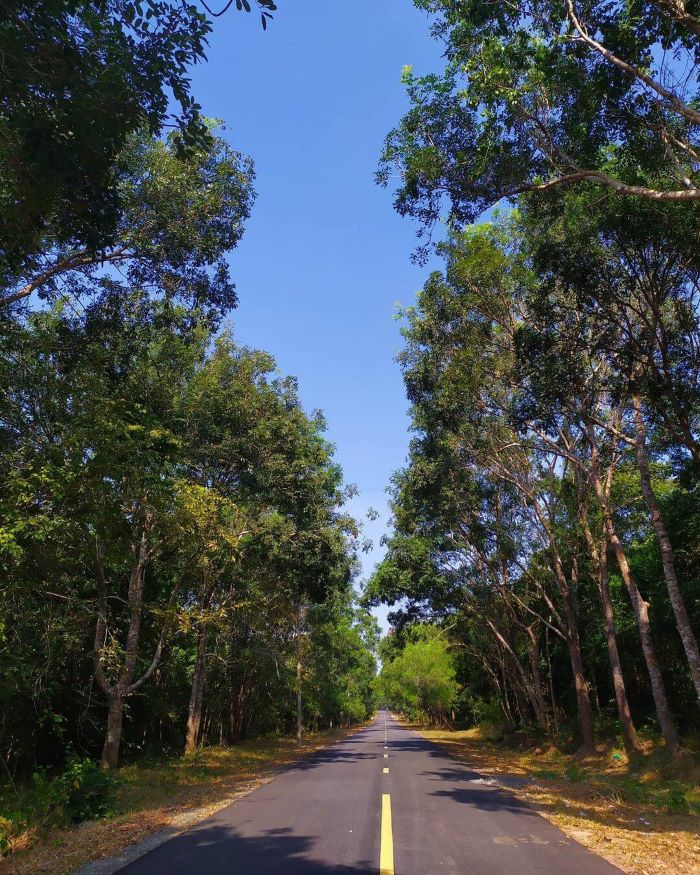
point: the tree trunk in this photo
(585, 713)
(555, 719)
(690, 644)
(599, 557)
(567, 592)
(535, 692)
(113, 738)
(641, 612)
(629, 733)
(299, 702)
(194, 716)
(237, 711)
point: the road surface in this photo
(385, 801)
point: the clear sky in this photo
(325, 260)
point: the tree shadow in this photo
(595, 802)
(219, 849)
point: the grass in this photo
(641, 815)
(154, 795)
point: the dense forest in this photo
(546, 523)
(176, 564)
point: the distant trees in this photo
(419, 679)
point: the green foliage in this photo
(157, 487)
(420, 679)
(179, 216)
(542, 95)
(80, 78)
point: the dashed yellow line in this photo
(386, 847)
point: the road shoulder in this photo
(641, 838)
(157, 802)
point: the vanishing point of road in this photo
(383, 800)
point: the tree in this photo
(79, 79)
(540, 95)
(419, 680)
(179, 216)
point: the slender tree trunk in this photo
(567, 592)
(555, 718)
(690, 644)
(599, 557)
(194, 716)
(583, 701)
(505, 703)
(535, 692)
(641, 611)
(629, 733)
(299, 668)
(113, 738)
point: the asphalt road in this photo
(383, 800)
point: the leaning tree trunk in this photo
(690, 644)
(629, 733)
(640, 607)
(599, 558)
(194, 716)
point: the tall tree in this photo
(79, 79)
(540, 95)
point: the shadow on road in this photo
(218, 848)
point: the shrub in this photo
(82, 792)
(89, 789)
(6, 828)
(574, 772)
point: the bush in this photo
(6, 829)
(89, 790)
(82, 792)
(574, 773)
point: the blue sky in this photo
(325, 260)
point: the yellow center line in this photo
(386, 847)
(386, 771)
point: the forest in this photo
(179, 569)
(176, 561)
(546, 522)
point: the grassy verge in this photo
(643, 816)
(152, 796)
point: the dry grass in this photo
(153, 796)
(643, 816)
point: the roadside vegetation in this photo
(545, 522)
(176, 562)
